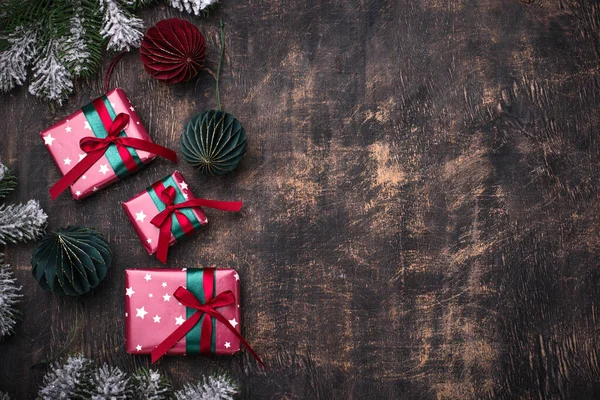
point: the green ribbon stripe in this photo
(175, 226)
(194, 283)
(99, 130)
(113, 115)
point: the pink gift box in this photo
(62, 141)
(141, 208)
(152, 313)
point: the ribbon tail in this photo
(79, 169)
(216, 204)
(224, 321)
(175, 337)
(150, 147)
(163, 241)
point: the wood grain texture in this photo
(421, 211)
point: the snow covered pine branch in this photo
(63, 39)
(80, 378)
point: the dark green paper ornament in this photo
(214, 142)
(71, 261)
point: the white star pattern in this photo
(149, 240)
(131, 108)
(183, 185)
(141, 312)
(103, 169)
(82, 156)
(78, 193)
(138, 347)
(164, 318)
(184, 269)
(68, 129)
(236, 276)
(113, 104)
(140, 216)
(95, 189)
(48, 139)
(67, 161)
(86, 125)
(127, 314)
(185, 196)
(137, 123)
(83, 177)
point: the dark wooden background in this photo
(421, 201)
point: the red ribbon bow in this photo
(188, 299)
(163, 220)
(96, 147)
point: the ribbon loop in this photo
(188, 299)
(96, 147)
(162, 219)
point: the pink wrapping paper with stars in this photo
(63, 142)
(143, 207)
(153, 312)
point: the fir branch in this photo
(75, 53)
(21, 222)
(108, 383)
(150, 385)
(136, 4)
(9, 298)
(8, 181)
(51, 78)
(65, 381)
(15, 60)
(121, 28)
(218, 386)
(195, 7)
(4, 396)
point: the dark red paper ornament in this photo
(173, 51)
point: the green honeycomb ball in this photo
(71, 261)
(214, 142)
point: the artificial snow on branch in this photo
(76, 55)
(21, 222)
(79, 378)
(9, 297)
(214, 387)
(108, 383)
(51, 78)
(14, 60)
(65, 381)
(196, 7)
(150, 385)
(122, 29)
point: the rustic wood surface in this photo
(421, 196)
